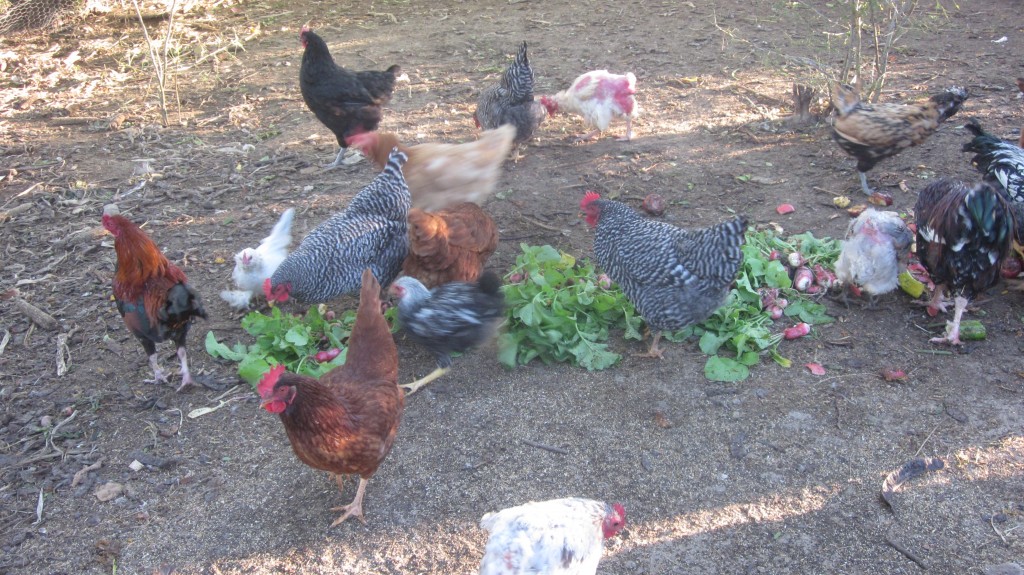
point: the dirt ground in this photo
(778, 474)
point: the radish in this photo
(1011, 267)
(515, 278)
(795, 260)
(784, 209)
(782, 302)
(604, 281)
(325, 356)
(769, 297)
(654, 204)
(802, 279)
(774, 255)
(799, 330)
(823, 277)
(813, 289)
(775, 312)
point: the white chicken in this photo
(598, 96)
(254, 265)
(875, 248)
(556, 537)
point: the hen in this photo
(371, 232)
(872, 132)
(346, 421)
(254, 265)
(511, 101)
(876, 247)
(152, 295)
(346, 102)
(451, 318)
(674, 277)
(442, 175)
(598, 96)
(555, 537)
(1000, 161)
(963, 234)
(449, 245)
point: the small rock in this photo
(108, 491)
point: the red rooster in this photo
(346, 421)
(152, 294)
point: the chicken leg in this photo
(186, 375)
(354, 509)
(411, 388)
(159, 375)
(952, 336)
(864, 183)
(654, 351)
(629, 131)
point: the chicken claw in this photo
(159, 375)
(654, 351)
(952, 336)
(354, 509)
(411, 388)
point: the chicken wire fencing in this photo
(26, 15)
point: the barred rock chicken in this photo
(876, 247)
(371, 232)
(346, 102)
(511, 101)
(152, 295)
(559, 536)
(254, 265)
(674, 277)
(1000, 161)
(449, 245)
(872, 132)
(451, 318)
(963, 234)
(598, 96)
(346, 421)
(442, 175)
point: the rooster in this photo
(451, 318)
(442, 175)
(254, 265)
(963, 234)
(872, 132)
(346, 421)
(876, 247)
(346, 102)
(371, 232)
(152, 295)
(674, 277)
(559, 536)
(1000, 161)
(598, 96)
(449, 245)
(511, 101)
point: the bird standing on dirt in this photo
(511, 101)
(152, 295)
(347, 102)
(674, 277)
(872, 132)
(598, 96)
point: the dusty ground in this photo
(779, 474)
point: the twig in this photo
(932, 432)
(80, 476)
(39, 510)
(540, 224)
(38, 316)
(6, 340)
(546, 447)
(991, 521)
(49, 437)
(934, 351)
(906, 552)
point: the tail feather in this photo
(281, 235)
(371, 349)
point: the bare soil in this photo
(778, 474)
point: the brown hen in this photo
(449, 245)
(346, 421)
(442, 175)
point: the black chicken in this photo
(511, 101)
(347, 102)
(1000, 161)
(872, 132)
(449, 318)
(963, 234)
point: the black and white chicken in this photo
(1000, 161)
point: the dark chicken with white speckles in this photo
(872, 132)
(1000, 161)
(371, 232)
(450, 318)
(511, 101)
(674, 277)
(963, 234)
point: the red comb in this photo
(266, 290)
(620, 510)
(588, 197)
(269, 379)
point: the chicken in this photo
(1000, 161)
(442, 175)
(254, 265)
(875, 249)
(152, 295)
(872, 132)
(449, 245)
(674, 277)
(555, 537)
(346, 102)
(451, 318)
(370, 232)
(345, 422)
(598, 96)
(511, 101)
(963, 234)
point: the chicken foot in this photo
(654, 351)
(345, 157)
(354, 509)
(629, 131)
(864, 183)
(159, 375)
(939, 303)
(588, 137)
(952, 336)
(186, 375)
(411, 388)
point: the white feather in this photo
(262, 261)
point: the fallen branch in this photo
(906, 552)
